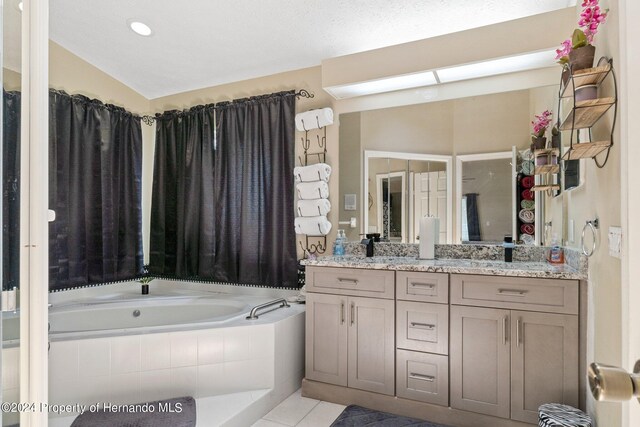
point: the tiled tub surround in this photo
(260, 361)
(521, 254)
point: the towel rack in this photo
(313, 245)
(592, 225)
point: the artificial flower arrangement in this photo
(540, 124)
(573, 50)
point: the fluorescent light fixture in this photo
(388, 84)
(492, 67)
(140, 28)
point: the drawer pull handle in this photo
(518, 334)
(342, 312)
(512, 292)
(425, 285)
(424, 325)
(422, 377)
(343, 280)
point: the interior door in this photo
(326, 338)
(544, 362)
(371, 345)
(479, 360)
(421, 201)
(430, 198)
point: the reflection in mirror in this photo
(491, 123)
(486, 197)
(401, 188)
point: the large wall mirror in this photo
(473, 126)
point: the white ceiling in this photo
(201, 43)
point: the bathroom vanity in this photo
(458, 342)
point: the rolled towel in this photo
(527, 194)
(528, 239)
(313, 207)
(527, 216)
(314, 119)
(528, 181)
(527, 204)
(317, 172)
(312, 190)
(313, 225)
(527, 228)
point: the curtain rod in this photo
(302, 93)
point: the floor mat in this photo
(357, 416)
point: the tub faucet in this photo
(369, 244)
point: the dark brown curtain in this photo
(10, 190)
(223, 208)
(182, 220)
(95, 167)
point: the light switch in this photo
(353, 222)
(615, 242)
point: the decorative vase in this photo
(539, 142)
(586, 92)
(582, 57)
(555, 141)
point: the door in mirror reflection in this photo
(401, 189)
(486, 208)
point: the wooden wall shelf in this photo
(547, 169)
(588, 76)
(587, 113)
(545, 187)
(586, 150)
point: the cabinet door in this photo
(544, 362)
(326, 340)
(371, 345)
(479, 360)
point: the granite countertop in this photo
(443, 265)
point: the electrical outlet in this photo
(615, 242)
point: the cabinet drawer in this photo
(423, 377)
(422, 326)
(426, 287)
(351, 281)
(521, 293)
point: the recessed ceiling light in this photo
(140, 28)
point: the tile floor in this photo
(300, 411)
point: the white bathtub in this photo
(110, 344)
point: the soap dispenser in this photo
(508, 248)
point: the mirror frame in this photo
(373, 154)
(511, 155)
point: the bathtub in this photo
(110, 344)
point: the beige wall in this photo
(10, 79)
(600, 197)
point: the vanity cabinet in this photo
(505, 361)
(350, 338)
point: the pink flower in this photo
(565, 48)
(590, 18)
(541, 122)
